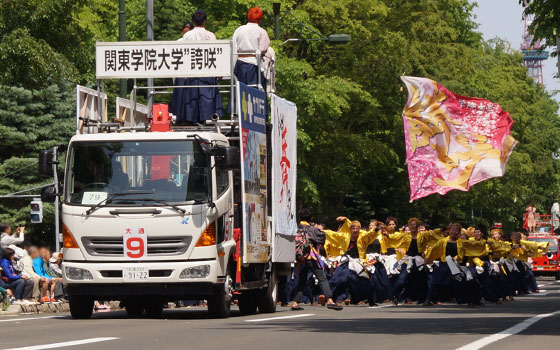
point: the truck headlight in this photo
(201, 271)
(74, 273)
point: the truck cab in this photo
(548, 264)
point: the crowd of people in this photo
(411, 264)
(196, 100)
(29, 274)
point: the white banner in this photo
(163, 59)
(284, 164)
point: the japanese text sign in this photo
(163, 59)
(135, 243)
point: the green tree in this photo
(30, 121)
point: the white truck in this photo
(152, 212)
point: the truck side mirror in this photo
(227, 157)
(48, 194)
(45, 163)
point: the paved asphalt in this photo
(511, 326)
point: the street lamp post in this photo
(332, 38)
(122, 37)
(150, 37)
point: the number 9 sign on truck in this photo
(135, 243)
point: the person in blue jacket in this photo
(11, 279)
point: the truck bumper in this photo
(106, 280)
(546, 270)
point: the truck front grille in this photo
(157, 246)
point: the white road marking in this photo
(64, 344)
(379, 306)
(30, 318)
(506, 333)
(279, 318)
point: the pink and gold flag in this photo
(452, 141)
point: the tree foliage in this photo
(350, 133)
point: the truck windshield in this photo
(552, 243)
(170, 171)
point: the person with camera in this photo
(6, 236)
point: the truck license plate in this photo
(136, 273)
(540, 268)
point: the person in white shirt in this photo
(247, 41)
(192, 106)
(6, 237)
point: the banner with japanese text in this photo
(252, 111)
(452, 141)
(163, 59)
(284, 162)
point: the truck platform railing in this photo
(164, 59)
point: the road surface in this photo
(530, 322)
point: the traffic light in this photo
(36, 211)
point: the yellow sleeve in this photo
(345, 228)
(436, 251)
(335, 243)
(395, 241)
(536, 249)
(500, 248)
(472, 248)
(427, 239)
(364, 240)
(478, 262)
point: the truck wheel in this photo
(134, 309)
(219, 304)
(267, 297)
(247, 302)
(81, 307)
(153, 308)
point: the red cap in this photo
(255, 14)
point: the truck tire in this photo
(219, 304)
(557, 276)
(81, 307)
(247, 302)
(267, 297)
(153, 308)
(134, 309)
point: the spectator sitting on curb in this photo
(55, 263)
(22, 285)
(39, 266)
(41, 286)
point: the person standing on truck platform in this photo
(188, 26)
(247, 40)
(192, 106)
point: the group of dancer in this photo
(411, 264)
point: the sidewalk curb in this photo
(36, 309)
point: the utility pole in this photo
(122, 37)
(150, 37)
(557, 54)
(56, 208)
(276, 10)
